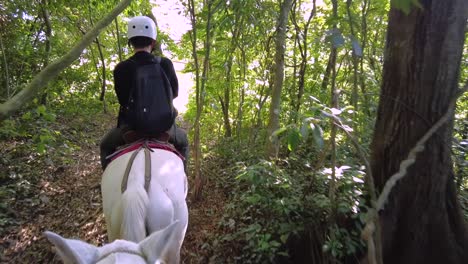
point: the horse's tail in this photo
(135, 203)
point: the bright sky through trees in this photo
(171, 20)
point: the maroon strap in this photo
(151, 145)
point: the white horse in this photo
(136, 213)
(154, 249)
(144, 207)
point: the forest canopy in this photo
(299, 112)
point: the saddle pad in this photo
(150, 144)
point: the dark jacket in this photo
(124, 75)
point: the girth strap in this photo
(147, 151)
(147, 167)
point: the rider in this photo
(142, 37)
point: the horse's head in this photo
(154, 249)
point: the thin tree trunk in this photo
(103, 64)
(119, 46)
(157, 48)
(31, 89)
(240, 109)
(355, 59)
(272, 146)
(333, 104)
(199, 179)
(304, 58)
(422, 221)
(196, 140)
(264, 92)
(326, 75)
(196, 143)
(227, 98)
(5, 66)
(225, 102)
(48, 33)
(365, 10)
(103, 71)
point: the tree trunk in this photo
(119, 46)
(103, 62)
(157, 50)
(280, 43)
(103, 73)
(227, 98)
(334, 101)
(48, 33)
(48, 73)
(240, 109)
(355, 59)
(5, 65)
(365, 10)
(200, 90)
(422, 221)
(303, 47)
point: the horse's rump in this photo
(131, 214)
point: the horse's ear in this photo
(162, 245)
(73, 251)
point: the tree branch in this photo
(31, 89)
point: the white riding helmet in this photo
(141, 26)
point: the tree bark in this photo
(119, 46)
(422, 221)
(200, 90)
(334, 103)
(103, 73)
(355, 58)
(5, 65)
(226, 101)
(48, 33)
(303, 47)
(31, 89)
(157, 50)
(103, 62)
(280, 44)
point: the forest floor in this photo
(64, 197)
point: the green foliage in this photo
(266, 193)
(405, 5)
(274, 203)
(37, 140)
(342, 242)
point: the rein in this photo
(147, 151)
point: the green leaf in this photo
(278, 132)
(317, 133)
(293, 139)
(26, 116)
(405, 5)
(284, 238)
(305, 129)
(41, 109)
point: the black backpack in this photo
(149, 109)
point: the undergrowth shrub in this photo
(39, 139)
(280, 211)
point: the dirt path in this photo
(67, 201)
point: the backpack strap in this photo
(156, 59)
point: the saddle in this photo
(150, 143)
(146, 144)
